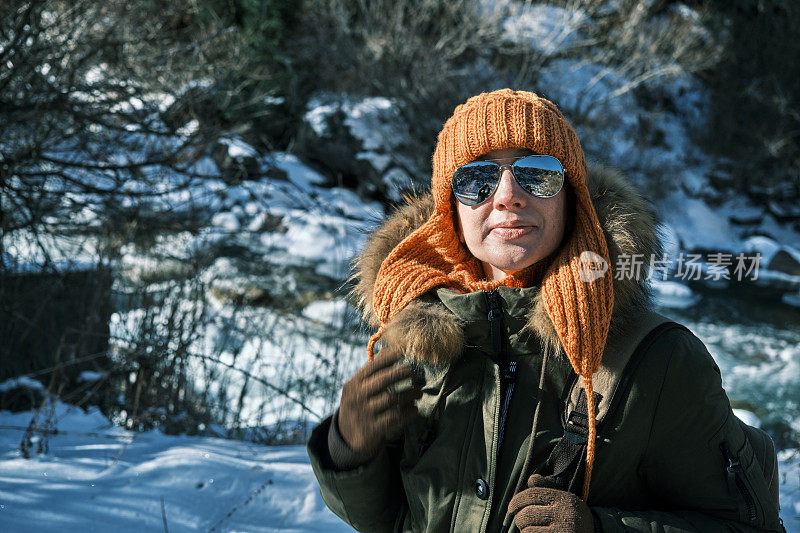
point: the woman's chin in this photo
(512, 265)
(512, 258)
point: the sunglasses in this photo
(539, 175)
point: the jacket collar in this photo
(431, 332)
(472, 311)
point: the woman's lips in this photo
(512, 233)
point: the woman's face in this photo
(512, 229)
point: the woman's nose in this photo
(508, 193)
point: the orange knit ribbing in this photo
(587, 385)
(433, 255)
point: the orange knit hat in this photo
(434, 256)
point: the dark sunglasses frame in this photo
(524, 169)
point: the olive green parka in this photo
(671, 457)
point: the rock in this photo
(779, 265)
(673, 294)
(792, 299)
(236, 160)
(784, 212)
(748, 417)
(22, 394)
(357, 142)
(785, 262)
(267, 222)
(226, 221)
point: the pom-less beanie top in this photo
(578, 303)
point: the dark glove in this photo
(370, 407)
(544, 509)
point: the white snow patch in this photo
(329, 312)
(189, 129)
(90, 376)
(298, 173)
(789, 484)
(273, 100)
(768, 248)
(226, 221)
(373, 120)
(99, 477)
(96, 74)
(673, 294)
(21, 383)
(237, 148)
(792, 299)
(748, 417)
(549, 29)
(590, 89)
(697, 225)
(378, 161)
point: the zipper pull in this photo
(508, 376)
(735, 478)
(495, 321)
(509, 373)
(733, 466)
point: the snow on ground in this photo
(697, 225)
(328, 312)
(97, 477)
(292, 353)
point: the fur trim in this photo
(429, 334)
(380, 244)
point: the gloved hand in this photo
(369, 409)
(545, 509)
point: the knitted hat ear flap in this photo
(438, 260)
(576, 304)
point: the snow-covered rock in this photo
(366, 136)
(21, 383)
(673, 294)
(748, 417)
(779, 265)
(226, 221)
(791, 298)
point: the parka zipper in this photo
(508, 369)
(734, 469)
(508, 378)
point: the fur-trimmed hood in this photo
(424, 327)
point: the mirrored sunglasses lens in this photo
(474, 183)
(542, 176)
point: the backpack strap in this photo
(617, 354)
(621, 358)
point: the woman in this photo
(500, 286)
